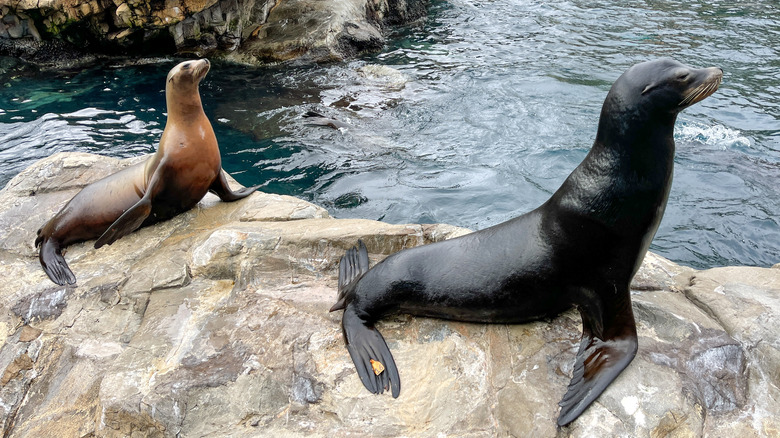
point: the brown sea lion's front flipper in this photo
(130, 221)
(221, 188)
(134, 217)
(608, 345)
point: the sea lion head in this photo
(181, 87)
(664, 86)
(645, 100)
(188, 73)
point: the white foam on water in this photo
(92, 113)
(712, 135)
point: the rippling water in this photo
(487, 108)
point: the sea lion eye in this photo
(683, 76)
(185, 66)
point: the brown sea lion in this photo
(580, 248)
(186, 165)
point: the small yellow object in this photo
(377, 366)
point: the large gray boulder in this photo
(216, 323)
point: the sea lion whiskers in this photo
(703, 90)
(694, 95)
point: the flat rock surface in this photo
(216, 323)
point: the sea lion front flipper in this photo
(221, 188)
(130, 221)
(609, 344)
(134, 217)
(369, 353)
(53, 262)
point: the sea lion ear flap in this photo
(648, 88)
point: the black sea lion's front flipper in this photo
(608, 345)
(369, 353)
(130, 221)
(221, 188)
(53, 263)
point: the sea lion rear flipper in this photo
(130, 221)
(366, 346)
(352, 266)
(53, 263)
(369, 353)
(221, 188)
(609, 344)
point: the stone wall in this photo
(216, 323)
(251, 31)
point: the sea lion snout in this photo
(201, 68)
(705, 82)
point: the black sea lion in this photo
(186, 165)
(580, 248)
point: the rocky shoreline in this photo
(216, 323)
(57, 33)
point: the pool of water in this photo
(484, 110)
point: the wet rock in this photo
(384, 76)
(47, 304)
(250, 31)
(216, 323)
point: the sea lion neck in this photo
(630, 132)
(182, 95)
(627, 117)
(183, 104)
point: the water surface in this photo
(489, 106)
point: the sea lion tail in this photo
(369, 353)
(352, 266)
(52, 261)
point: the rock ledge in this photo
(215, 323)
